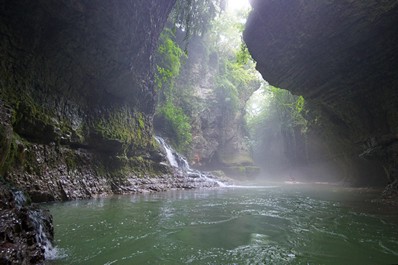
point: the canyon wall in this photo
(76, 108)
(341, 56)
(216, 109)
(77, 96)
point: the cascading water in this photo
(40, 224)
(169, 151)
(50, 252)
(19, 198)
(178, 161)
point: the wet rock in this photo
(112, 146)
(216, 129)
(78, 112)
(41, 196)
(179, 180)
(390, 193)
(25, 231)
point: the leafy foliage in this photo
(237, 78)
(194, 17)
(289, 108)
(217, 40)
(243, 56)
(178, 123)
(168, 60)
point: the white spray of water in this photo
(50, 252)
(169, 152)
(178, 161)
(19, 198)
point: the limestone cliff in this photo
(76, 107)
(217, 117)
(76, 93)
(341, 56)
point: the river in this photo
(277, 224)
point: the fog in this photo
(287, 148)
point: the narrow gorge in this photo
(81, 102)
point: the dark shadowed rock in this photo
(76, 105)
(22, 241)
(341, 56)
(77, 93)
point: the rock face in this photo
(25, 231)
(341, 56)
(76, 106)
(76, 94)
(218, 133)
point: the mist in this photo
(288, 146)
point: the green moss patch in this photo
(236, 159)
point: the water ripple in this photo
(278, 225)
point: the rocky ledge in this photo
(163, 183)
(26, 231)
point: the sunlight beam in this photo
(235, 5)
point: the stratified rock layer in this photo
(341, 56)
(76, 94)
(76, 106)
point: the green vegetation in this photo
(71, 160)
(232, 159)
(275, 111)
(120, 130)
(237, 78)
(37, 123)
(14, 152)
(194, 17)
(169, 59)
(225, 59)
(289, 108)
(178, 123)
(123, 125)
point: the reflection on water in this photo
(287, 224)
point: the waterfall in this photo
(50, 252)
(169, 151)
(39, 219)
(19, 198)
(178, 161)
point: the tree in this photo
(194, 17)
(217, 36)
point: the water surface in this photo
(286, 224)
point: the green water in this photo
(287, 224)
